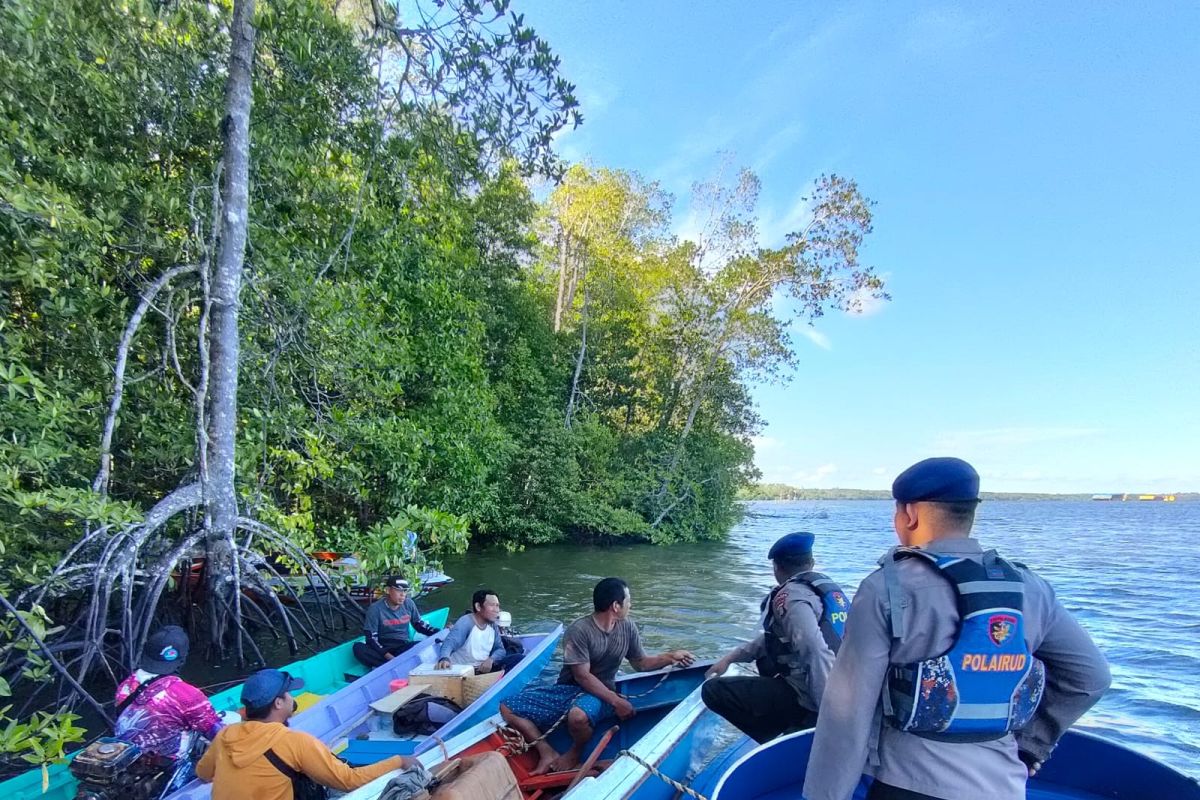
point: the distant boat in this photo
(1102, 497)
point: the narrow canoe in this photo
(324, 674)
(656, 695)
(344, 715)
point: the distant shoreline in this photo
(783, 493)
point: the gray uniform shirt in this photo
(795, 614)
(1076, 676)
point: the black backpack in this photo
(424, 714)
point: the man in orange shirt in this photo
(263, 759)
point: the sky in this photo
(1036, 171)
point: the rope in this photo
(515, 743)
(674, 784)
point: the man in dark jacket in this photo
(386, 625)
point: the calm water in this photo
(1130, 572)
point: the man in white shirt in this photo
(475, 638)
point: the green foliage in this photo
(390, 547)
(420, 337)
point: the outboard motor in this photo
(111, 769)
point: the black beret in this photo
(937, 480)
(792, 547)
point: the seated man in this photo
(159, 711)
(475, 638)
(802, 623)
(264, 759)
(386, 625)
(593, 649)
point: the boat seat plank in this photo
(389, 704)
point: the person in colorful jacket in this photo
(959, 670)
(167, 716)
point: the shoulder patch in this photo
(781, 601)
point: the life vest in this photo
(832, 621)
(989, 683)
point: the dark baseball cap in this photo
(165, 651)
(397, 582)
(265, 685)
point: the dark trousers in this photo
(372, 655)
(883, 791)
(508, 662)
(762, 708)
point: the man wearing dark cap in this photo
(386, 626)
(159, 711)
(801, 627)
(263, 759)
(959, 671)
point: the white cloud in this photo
(813, 479)
(764, 442)
(974, 440)
(879, 471)
(816, 337)
(789, 65)
(775, 227)
(863, 304)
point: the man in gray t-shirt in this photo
(585, 642)
(593, 649)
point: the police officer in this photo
(802, 622)
(935, 703)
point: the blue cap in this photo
(937, 480)
(265, 685)
(792, 547)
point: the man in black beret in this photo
(801, 629)
(959, 670)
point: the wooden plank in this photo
(389, 704)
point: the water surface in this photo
(1130, 572)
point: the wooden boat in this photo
(666, 704)
(344, 715)
(325, 675)
(1083, 767)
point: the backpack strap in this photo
(141, 687)
(281, 765)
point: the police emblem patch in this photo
(1001, 628)
(840, 599)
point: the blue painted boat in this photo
(1083, 767)
(324, 674)
(665, 701)
(343, 716)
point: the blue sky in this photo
(1036, 169)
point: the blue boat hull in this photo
(1084, 767)
(339, 715)
(663, 702)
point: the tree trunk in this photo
(578, 360)
(219, 487)
(562, 278)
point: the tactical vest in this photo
(989, 682)
(831, 621)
